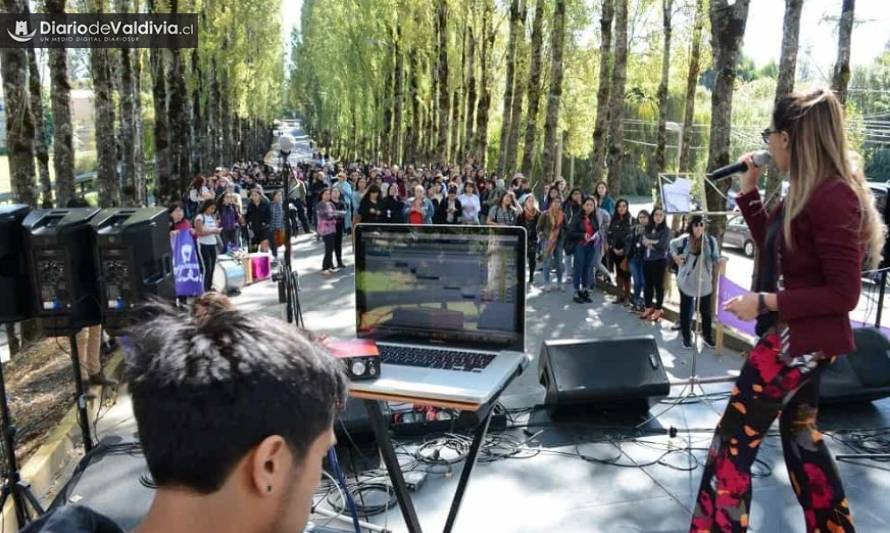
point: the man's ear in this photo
(270, 460)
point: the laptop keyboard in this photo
(432, 358)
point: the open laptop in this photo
(445, 305)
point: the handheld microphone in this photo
(761, 158)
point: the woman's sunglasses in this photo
(766, 133)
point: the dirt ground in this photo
(40, 389)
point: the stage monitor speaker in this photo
(861, 376)
(134, 261)
(619, 372)
(60, 246)
(15, 304)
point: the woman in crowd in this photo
(327, 214)
(197, 193)
(598, 268)
(315, 187)
(392, 206)
(340, 206)
(370, 210)
(552, 194)
(504, 213)
(636, 253)
(450, 211)
(528, 219)
(177, 218)
(259, 217)
(361, 186)
(432, 192)
(207, 229)
(582, 239)
(696, 255)
(229, 220)
(551, 227)
(345, 189)
(657, 239)
(603, 199)
(812, 248)
(276, 225)
(572, 208)
(619, 229)
(470, 204)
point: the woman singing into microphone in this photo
(809, 279)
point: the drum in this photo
(228, 276)
(260, 266)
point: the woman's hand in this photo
(744, 307)
(750, 177)
(679, 260)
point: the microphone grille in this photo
(761, 158)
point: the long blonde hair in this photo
(818, 143)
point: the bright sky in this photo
(763, 37)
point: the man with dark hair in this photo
(234, 416)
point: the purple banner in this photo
(728, 291)
(186, 270)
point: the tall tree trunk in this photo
(516, 12)
(398, 98)
(432, 136)
(488, 35)
(520, 73)
(785, 84)
(727, 31)
(414, 125)
(549, 160)
(227, 154)
(138, 129)
(470, 113)
(603, 92)
(179, 115)
(841, 76)
(691, 84)
(442, 73)
(658, 160)
(615, 155)
(19, 120)
(63, 141)
(198, 117)
(166, 188)
(458, 102)
(40, 137)
(127, 123)
(106, 156)
(389, 104)
(534, 89)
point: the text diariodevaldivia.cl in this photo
(144, 28)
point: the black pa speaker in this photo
(615, 372)
(861, 376)
(15, 286)
(133, 260)
(60, 246)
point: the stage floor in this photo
(554, 489)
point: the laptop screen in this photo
(453, 285)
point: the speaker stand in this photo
(290, 277)
(13, 485)
(82, 417)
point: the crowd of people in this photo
(591, 238)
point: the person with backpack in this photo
(696, 254)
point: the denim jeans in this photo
(553, 260)
(636, 273)
(583, 258)
(597, 263)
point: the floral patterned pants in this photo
(772, 384)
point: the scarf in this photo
(556, 225)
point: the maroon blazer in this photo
(822, 269)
